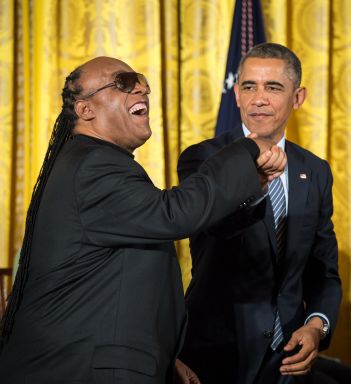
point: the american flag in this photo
(247, 31)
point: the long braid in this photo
(62, 131)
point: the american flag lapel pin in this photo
(303, 176)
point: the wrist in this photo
(320, 324)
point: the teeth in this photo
(137, 107)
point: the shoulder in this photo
(319, 168)
(309, 157)
(98, 156)
(192, 157)
(86, 146)
(208, 147)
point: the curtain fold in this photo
(7, 68)
(181, 46)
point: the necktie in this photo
(277, 196)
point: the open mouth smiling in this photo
(139, 109)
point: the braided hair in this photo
(62, 131)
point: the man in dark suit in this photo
(264, 294)
(98, 296)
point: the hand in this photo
(184, 374)
(308, 338)
(271, 161)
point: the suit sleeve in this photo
(119, 205)
(322, 285)
(234, 223)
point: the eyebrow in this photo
(275, 83)
(269, 82)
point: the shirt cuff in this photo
(318, 314)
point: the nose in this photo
(260, 98)
(141, 88)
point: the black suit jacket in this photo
(236, 285)
(104, 299)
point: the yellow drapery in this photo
(181, 46)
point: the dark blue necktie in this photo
(277, 196)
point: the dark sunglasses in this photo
(125, 82)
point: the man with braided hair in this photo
(98, 296)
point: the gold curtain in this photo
(181, 46)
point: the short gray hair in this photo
(276, 51)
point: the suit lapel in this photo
(299, 180)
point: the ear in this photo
(236, 93)
(299, 97)
(84, 110)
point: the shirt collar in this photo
(281, 143)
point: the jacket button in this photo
(268, 334)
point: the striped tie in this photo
(277, 196)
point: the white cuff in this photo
(318, 314)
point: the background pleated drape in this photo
(181, 46)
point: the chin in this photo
(147, 135)
(143, 139)
(261, 130)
